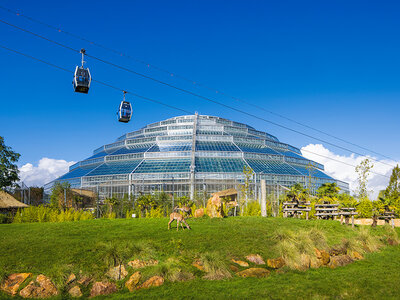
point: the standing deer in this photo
(184, 209)
(179, 219)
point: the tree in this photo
(297, 193)
(393, 189)
(8, 168)
(330, 190)
(363, 170)
(61, 195)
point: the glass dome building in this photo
(193, 155)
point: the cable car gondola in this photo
(125, 111)
(82, 77)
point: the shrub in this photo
(369, 242)
(214, 266)
(48, 214)
(252, 208)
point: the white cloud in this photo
(344, 172)
(47, 170)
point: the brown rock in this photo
(133, 281)
(339, 261)
(356, 255)
(75, 291)
(254, 272)
(71, 278)
(42, 287)
(137, 263)
(13, 282)
(316, 263)
(323, 256)
(152, 282)
(85, 280)
(198, 213)
(102, 288)
(255, 258)
(276, 263)
(233, 268)
(335, 251)
(198, 264)
(117, 273)
(240, 262)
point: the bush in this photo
(43, 214)
(252, 208)
(214, 266)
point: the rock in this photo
(198, 213)
(137, 263)
(323, 256)
(132, 282)
(198, 264)
(356, 255)
(335, 251)
(75, 291)
(315, 263)
(13, 282)
(339, 261)
(233, 268)
(85, 280)
(255, 258)
(117, 273)
(240, 262)
(71, 278)
(102, 288)
(254, 272)
(152, 282)
(42, 287)
(214, 207)
(276, 263)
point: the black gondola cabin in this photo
(82, 80)
(125, 112)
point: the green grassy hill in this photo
(57, 249)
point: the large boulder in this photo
(152, 282)
(340, 261)
(75, 291)
(102, 288)
(323, 256)
(198, 213)
(137, 263)
(117, 273)
(276, 263)
(214, 207)
(13, 282)
(42, 287)
(255, 258)
(132, 282)
(254, 272)
(71, 278)
(240, 262)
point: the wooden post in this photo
(306, 215)
(263, 198)
(341, 219)
(393, 223)
(352, 221)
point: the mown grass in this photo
(56, 249)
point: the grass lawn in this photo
(57, 249)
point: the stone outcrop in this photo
(75, 291)
(198, 213)
(240, 262)
(152, 282)
(356, 255)
(71, 278)
(214, 207)
(85, 280)
(198, 264)
(133, 280)
(256, 259)
(117, 273)
(102, 288)
(323, 256)
(340, 261)
(13, 282)
(137, 263)
(254, 272)
(276, 263)
(42, 287)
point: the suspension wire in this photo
(152, 100)
(98, 81)
(172, 74)
(193, 93)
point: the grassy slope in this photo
(55, 249)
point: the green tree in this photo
(8, 168)
(393, 189)
(363, 170)
(61, 196)
(330, 190)
(245, 187)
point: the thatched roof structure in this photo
(9, 202)
(85, 193)
(225, 193)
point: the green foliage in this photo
(215, 266)
(43, 214)
(253, 208)
(61, 196)
(365, 208)
(363, 170)
(297, 193)
(246, 192)
(330, 190)
(8, 168)
(393, 189)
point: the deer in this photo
(184, 209)
(179, 219)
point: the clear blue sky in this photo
(335, 66)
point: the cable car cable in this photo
(188, 80)
(156, 101)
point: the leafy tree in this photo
(8, 168)
(245, 187)
(393, 189)
(61, 196)
(297, 193)
(330, 190)
(363, 170)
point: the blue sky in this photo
(334, 66)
